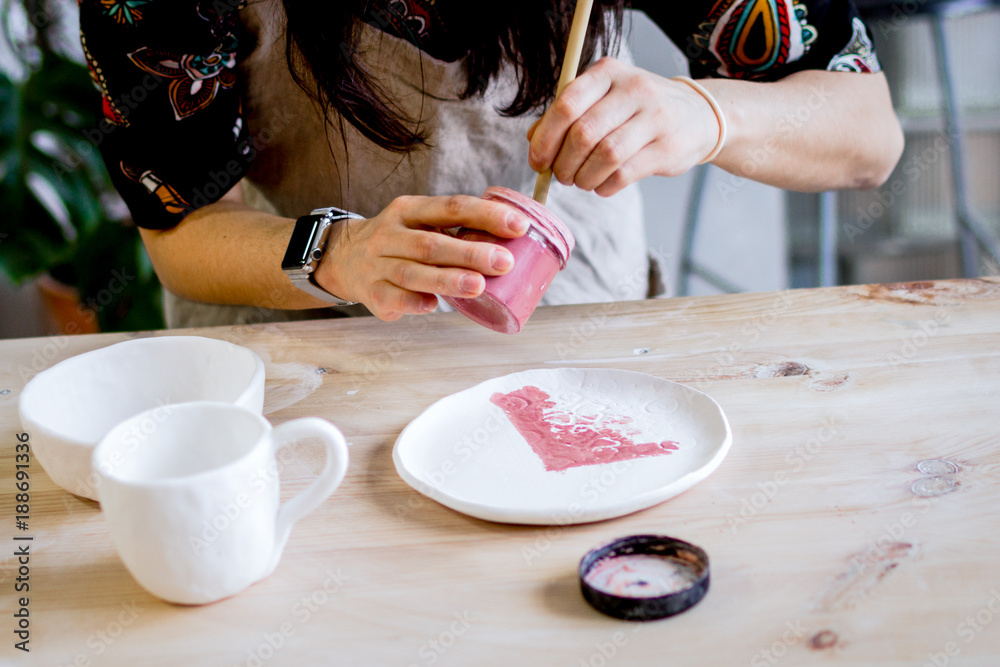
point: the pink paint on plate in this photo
(564, 440)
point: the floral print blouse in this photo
(171, 127)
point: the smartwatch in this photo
(306, 248)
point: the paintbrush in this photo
(571, 63)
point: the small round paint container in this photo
(508, 300)
(644, 577)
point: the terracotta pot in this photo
(67, 315)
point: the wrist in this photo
(746, 120)
(720, 125)
(308, 247)
(330, 274)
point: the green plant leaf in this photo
(41, 141)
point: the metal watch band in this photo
(336, 213)
(305, 283)
(304, 279)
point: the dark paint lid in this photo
(644, 577)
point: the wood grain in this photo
(827, 543)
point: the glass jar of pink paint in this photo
(508, 300)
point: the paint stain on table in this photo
(564, 440)
(823, 639)
(866, 569)
(780, 370)
(944, 293)
(831, 382)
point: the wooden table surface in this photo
(830, 541)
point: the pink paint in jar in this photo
(508, 300)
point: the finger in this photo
(575, 100)
(417, 277)
(600, 121)
(531, 130)
(635, 169)
(389, 302)
(442, 250)
(462, 211)
(614, 150)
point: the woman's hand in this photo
(811, 130)
(616, 124)
(397, 261)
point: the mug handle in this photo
(324, 485)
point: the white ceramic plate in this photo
(563, 446)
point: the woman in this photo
(223, 123)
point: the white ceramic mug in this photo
(190, 493)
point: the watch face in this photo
(301, 243)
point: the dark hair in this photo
(530, 35)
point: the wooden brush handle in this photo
(571, 63)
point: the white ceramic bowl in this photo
(70, 407)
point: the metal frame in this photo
(975, 235)
(688, 265)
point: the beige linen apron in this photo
(297, 168)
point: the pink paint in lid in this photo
(644, 577)
(548, 225)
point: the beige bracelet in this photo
(718, 114)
